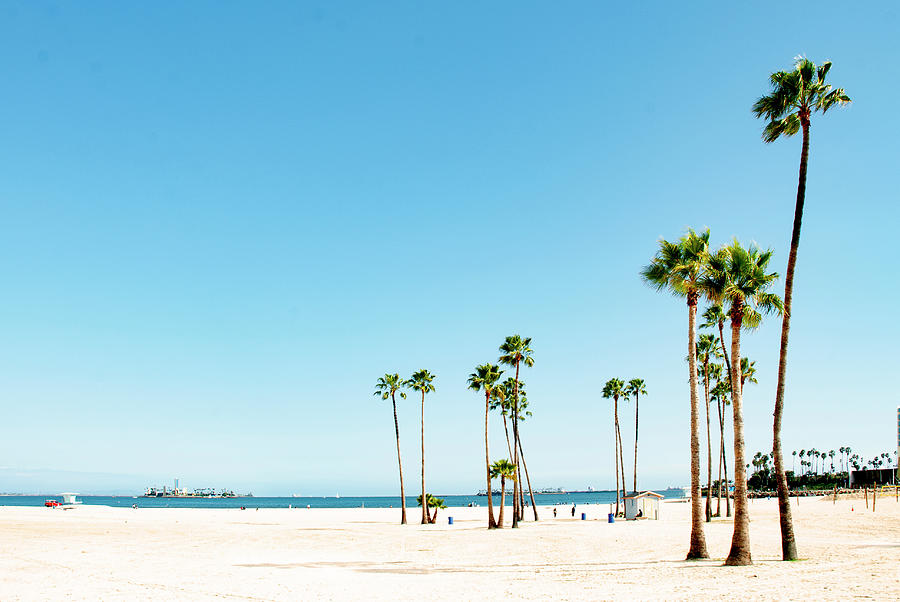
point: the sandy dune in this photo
(279, 554)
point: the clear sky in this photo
(220, 222)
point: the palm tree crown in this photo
(795, 96)
(614, 388)
(485, 377)
(738, 277)
(636, 386)
(679, 265)
(516, 350)
(421, 381)
(388, 385)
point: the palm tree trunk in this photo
(621, 462)
(636, 399)
(487, 460)
(502, 501)
(515, 421)
(724, 455)
(521, 494)
(400, 463)
(424, 499)
(719, 403)
(708, 446)
(698, 537)
(508, 444)
(528, 480)
(616, 450)
(788, 543)
(740, 539)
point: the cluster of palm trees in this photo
(507, 396)
(812, 460)
(614, 389)
(817, 468)
(736, 279)
(510, 399)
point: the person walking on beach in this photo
(554, 511)
(573, 510)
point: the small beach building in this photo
(69, 500)
(642, 505)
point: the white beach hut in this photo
(642, 505)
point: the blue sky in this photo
(222, 222)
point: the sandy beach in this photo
(95, 552)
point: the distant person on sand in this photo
(573, 510)
(554, 511)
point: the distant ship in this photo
(207, 493)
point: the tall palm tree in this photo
(516, 350)
(746, 288)
(707, 352)
(503, 469)
(795, 96)
(636, 387)
(485, 378)
(388, 386)
(613, 389)
(421, 381)
(677, 267)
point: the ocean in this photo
(541, 499)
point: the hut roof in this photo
(644, 494)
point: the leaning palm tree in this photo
(524, 413)
(516, 350)
(719, 394)
(795, 96)
(501, 399)
(677, 267)
(421, 381)
(746, 288)
(388, 386)
(613, 389)
(503, 469)
(636, 387)
(485, 378)
(707, 352)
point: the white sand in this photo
(279, 554)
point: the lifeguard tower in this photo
(69, 501)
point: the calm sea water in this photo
(596, 497)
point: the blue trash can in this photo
(611, 518)
(583, 516)
(449, 520)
